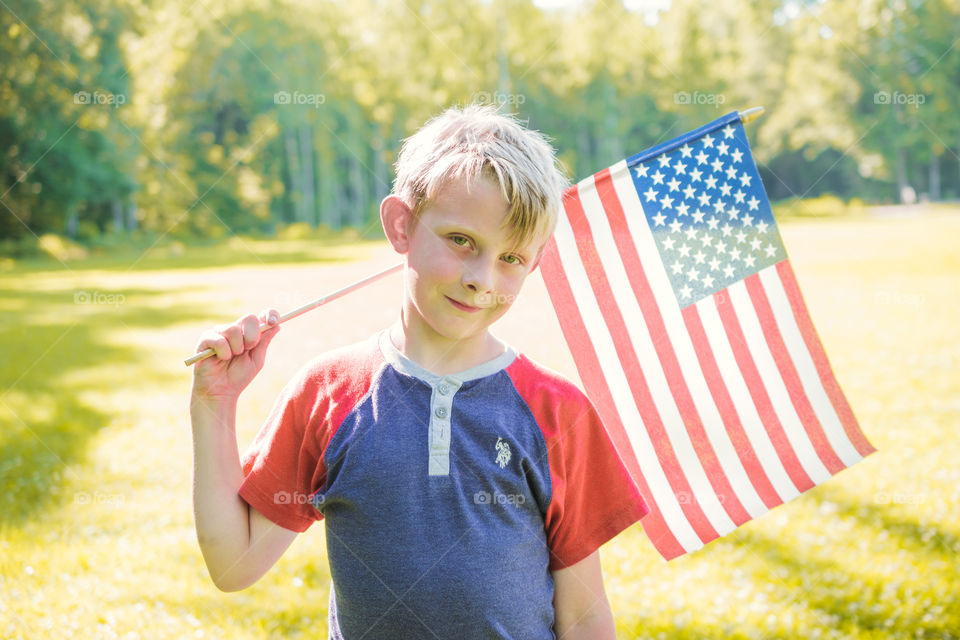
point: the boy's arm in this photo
(238, 544)
(581, 609)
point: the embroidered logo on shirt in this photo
(503, 453)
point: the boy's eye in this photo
(460, 241)
(512, 259)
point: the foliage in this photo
(206, 120)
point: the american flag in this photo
(691, 338)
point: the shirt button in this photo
(441, 412)
(443, 388)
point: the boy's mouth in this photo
(461, 306)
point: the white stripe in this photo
(679, 338)
(743, 401)
(662, 494)
(774, 384)
(809, 378)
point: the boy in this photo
(465, 489)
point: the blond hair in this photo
(477, 141)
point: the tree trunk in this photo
(72, 222)
(132, 222)
(116, 208)
(308, 180)
(293, 164)
(358, 185)
(934, 174)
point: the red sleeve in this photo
(283, 467)
(593, 496)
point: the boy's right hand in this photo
(240, 350)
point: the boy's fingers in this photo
(250, 325)
(234, 337)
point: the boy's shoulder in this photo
(545, 387)
(340, 370)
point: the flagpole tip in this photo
(751, 114)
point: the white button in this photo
(443, 388)
(441, 412)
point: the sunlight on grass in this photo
(96, 531)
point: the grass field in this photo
(96, 531)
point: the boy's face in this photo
(463, 272)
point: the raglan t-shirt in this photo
(448, 500)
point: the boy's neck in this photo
(444, 356)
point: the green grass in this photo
(96, 532)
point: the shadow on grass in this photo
(47, 375)
(857, 601)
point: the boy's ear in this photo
(395, 216)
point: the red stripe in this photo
(791, 379)
(819, 356)
(768, 417)
(594, 382)
(721, 397)
(664, 348)
(633, 371)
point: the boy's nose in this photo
(478, 278)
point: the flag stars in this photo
(684, 250)
(723, 148)
(707, 141)
(664, 160)
(685, 291)
(749, 261)
(666, 202)
(677, 268)
(726, 229)
(691, 233)
(712, 223)
(701, 157)
(658, 177)
(695, 175)
(680, 168)
(659, 220)
(682, 209)
(736, 155)
(674, 184)
(762, 226)
(748, 220)
(685, 151)
(745, 179)
(731, 172)
(734, 254)
(728, 271)
(714, 264)
(699, 257)
(651, 194)
(707, 280)
(668, 244)
(753, 203)
(675, 226)
(770, 250)
(688, 192)
(719, 207)
(711, 182)
(741, 237)
(717, 165)
(755, 244)
(698, 216)
(704, 199)
(721, 246)
(725, 189)
(641, 171)
(739, 196)
(693, 273)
